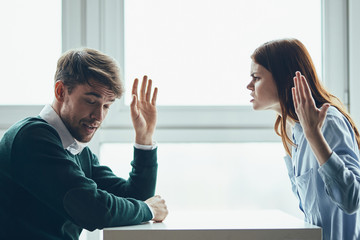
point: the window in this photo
(202, 48)
(215, 176)
(30, 46)
(198, 52)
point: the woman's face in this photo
(263, 89)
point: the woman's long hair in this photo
(283, 58)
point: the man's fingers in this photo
(135, 87)
(133, 101)
(133, 109)
(143, 88)
(158, 207)
(153, 101)
(148, 90)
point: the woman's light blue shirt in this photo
(329, 195)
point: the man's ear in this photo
(60, 89)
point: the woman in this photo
(320, 138)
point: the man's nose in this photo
(98, 114)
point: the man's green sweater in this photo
(48, 193)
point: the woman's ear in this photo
(60, 91)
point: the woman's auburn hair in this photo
(283, 58)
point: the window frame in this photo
(354, 61)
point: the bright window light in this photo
(198, 51)
(30, 45)
(215, 176)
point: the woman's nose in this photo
(250, 86)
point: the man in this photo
(52, 184)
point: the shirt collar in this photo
(297, 129)
(68, 141)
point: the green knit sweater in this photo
(48, 193)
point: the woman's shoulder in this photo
(336, 119)
(334, 113)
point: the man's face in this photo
(85, 108)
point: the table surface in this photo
(260, 220)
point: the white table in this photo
(220, 225)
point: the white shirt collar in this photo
(68, 141)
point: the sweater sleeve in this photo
(47, 171)
(341, 173)
(142, 178)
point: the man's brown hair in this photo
(79, 66)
